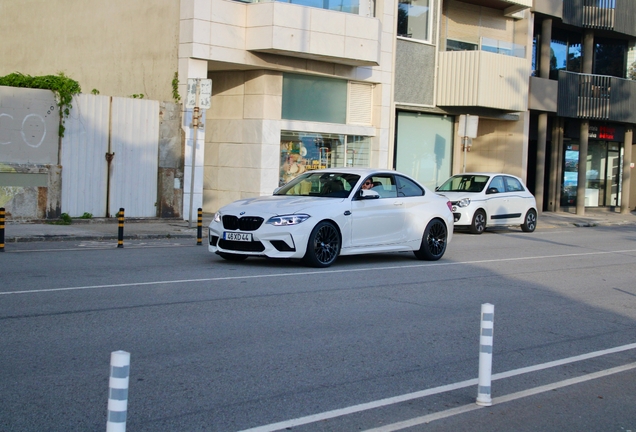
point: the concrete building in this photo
(582, 107)
(303, 85)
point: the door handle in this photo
(398, 203)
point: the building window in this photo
(610, 57)
(424, 147)
(303, 151)
(312, 98)
(455, 45)
(414, 19)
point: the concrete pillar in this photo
(553, 179)
(582, 173)
(559, 164)
(542, 134)
(546, 38)
(588, 52)
(627, 163)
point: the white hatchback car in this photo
(490, 199)
(322, 214)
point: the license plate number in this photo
(244, 237)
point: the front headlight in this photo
(286, 220)
(464, 202)
(217, 217)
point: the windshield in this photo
(464, 183)
(331, 185)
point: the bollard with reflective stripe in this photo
(118, 391)
(1, 229)
(120, 234)
(485, 355)
(199, 226)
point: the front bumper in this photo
(268, 240)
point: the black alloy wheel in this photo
(323, 246)
(479, 222)
(530, 221)
(434, 241)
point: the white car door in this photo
(518, 202)
(497, 202)
(378, 221)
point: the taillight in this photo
(450, 206)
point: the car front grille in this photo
(253, 246)
(245, 223)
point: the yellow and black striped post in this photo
(199, 226)
(120, 235)
(1, 229)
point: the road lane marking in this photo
(433, 391)
(316, 272)
(503, 399)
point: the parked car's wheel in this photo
(232, 257)
(478, 225)
(434, 241)
(530, 221)
(323, 246)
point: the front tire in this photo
(434, 241)
(232, 257)
(530, 221)
(478, 225)
(323, 246)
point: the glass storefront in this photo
(603, 174)
(424, 147)
(304, 151)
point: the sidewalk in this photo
(153, 228)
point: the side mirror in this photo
(492, 190)
(369, 194)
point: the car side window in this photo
(384, 185)
(407, 188)
(513, 185)
(498, 183)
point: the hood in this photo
(456, 196)
(277, 205)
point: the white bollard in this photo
(118, 391)
(485, 355)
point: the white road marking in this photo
(317, 272)
(446, 388)
(511, 397)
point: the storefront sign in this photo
(602, 132)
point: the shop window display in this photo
(301, 152)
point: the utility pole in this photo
(199, 96)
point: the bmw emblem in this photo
(242, 213)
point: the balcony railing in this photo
(483, 79)
(596, 97)
(357, 7)
(615, 15)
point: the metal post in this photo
(199, 226)
(1, 229)
(120, 235)
(485, 355)
(195, 127)
(118, 391)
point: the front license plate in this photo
(245, 237)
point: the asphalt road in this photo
(380, 342)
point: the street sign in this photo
(468, 126)
(205, 93)
(191, 97)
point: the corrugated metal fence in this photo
(128, 130)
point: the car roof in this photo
(490, 174)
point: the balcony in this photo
(509, 7)
(313, 33)
(483, 79)
(613, 15)
(596, 97)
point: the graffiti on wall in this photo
(29, 123)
